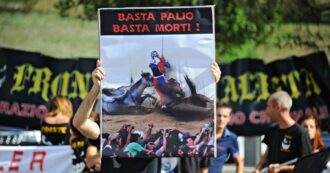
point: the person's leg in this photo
(160, 87)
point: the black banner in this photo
(29, 80)
(247, 83)
(150, 21)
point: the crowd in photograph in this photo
(171, 142)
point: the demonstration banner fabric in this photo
(159, 91)
(247, 84)
(36, 159)
(29, 80)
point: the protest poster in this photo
(159, 87)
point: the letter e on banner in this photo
(13, 166)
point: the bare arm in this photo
(198, 137)
(262, 162)
(163, 148)
(87, 127)
(129, 135)
(275, 168)
(204, 170)
(239, 164)
(146, 136)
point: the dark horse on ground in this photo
(128, 99)
(189, 108)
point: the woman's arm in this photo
(81, 120)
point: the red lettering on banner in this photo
(237, 118)
(135, 17)
(33, 108)
(39, 160)
(4, 106)
(130, 28)
(261, 117)
(323, 112)
(13, 166)
(23, 109)
(14, 109)
(177, 16)
(41, 111)
(296, 115)
(182, 27)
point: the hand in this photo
(274, 168)
(256, 171)
(98, 74)
(98, 167)
(216, 71)
(150, 125)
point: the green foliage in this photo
(233, 52)
(241, 25)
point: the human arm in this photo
(204, 170)
(262, 162)
(166, 63)
(160, 151)
(276, 168)
(199, 136)
(239, 164)
(87, 127)
(129, 134)
(146, 136)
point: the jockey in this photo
(158, 67)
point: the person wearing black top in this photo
(84, 156)
(287, 140)
(55, 126)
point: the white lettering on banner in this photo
(36, 159)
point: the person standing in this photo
(55, 126)
(226, 141)
(285, 141)
(312, 126)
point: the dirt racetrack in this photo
(111, 124)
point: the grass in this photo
(49, 34)
(52, 35)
